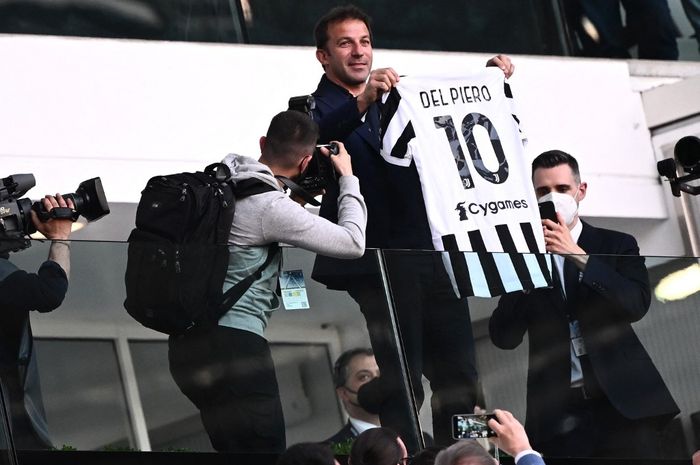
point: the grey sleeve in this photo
(288, 222)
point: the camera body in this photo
(15, 213)
(320, 173)
(472, 426)
(15, 217)
(687, 153)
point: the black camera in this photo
(320, 173)
(15, 217)
(687, 152)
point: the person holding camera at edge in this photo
(592, 390)
(434, 323)
(510, 438)
(21, 293)
(227, 371)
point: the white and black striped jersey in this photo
(464, 137)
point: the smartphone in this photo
(472, 426)
(547, 211)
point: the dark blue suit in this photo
(346, 433)
(629, 397)
(435, 325)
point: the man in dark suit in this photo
(592, 388)
(353, 369)
(434, 323)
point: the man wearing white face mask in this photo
(593, 391)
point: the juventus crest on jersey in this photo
(464, 137)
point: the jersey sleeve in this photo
(396, 131)
(514, 112)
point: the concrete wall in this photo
(125, 110)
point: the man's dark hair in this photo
(307, 453)
(340, 369)
(289, 135)
(466, 449)
(376, 446)
(552, 158)
(336, 15)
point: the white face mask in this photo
(564, 204)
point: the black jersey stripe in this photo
(531, 242)
(521, 269)
(488, 264)
(401, 146)
(388, 110)
(506, 90)
(459, 265)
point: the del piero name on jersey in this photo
(465, 209)
(454, 96)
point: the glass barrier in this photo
(7, 451)
(657, 30)
(102, 382)
(90, 379)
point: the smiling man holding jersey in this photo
(434, 322)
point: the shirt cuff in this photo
(526, 452)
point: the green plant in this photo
(342, 448)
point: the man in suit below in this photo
(354, 368)
(592, 390)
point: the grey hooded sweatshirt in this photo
(263, 219)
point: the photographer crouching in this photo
(20, 293)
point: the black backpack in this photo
(178, 254)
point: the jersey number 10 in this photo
(470, 120)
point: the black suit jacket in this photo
(613, 292)
(347, 432)
(396, 217)
(20, 293)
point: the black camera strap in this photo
(298, 190)
(60, 213)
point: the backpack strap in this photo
(251, 186)
(232, 295)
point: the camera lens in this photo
(687, 152)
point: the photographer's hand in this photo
(54, 229)
(58, 230)
(341, 161)
(511, 436)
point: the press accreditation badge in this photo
(576, 339)
(293, 290)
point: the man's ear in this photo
(340, 392)
(305, 163)
(582, 191)
(262, 143)
(322, 56)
